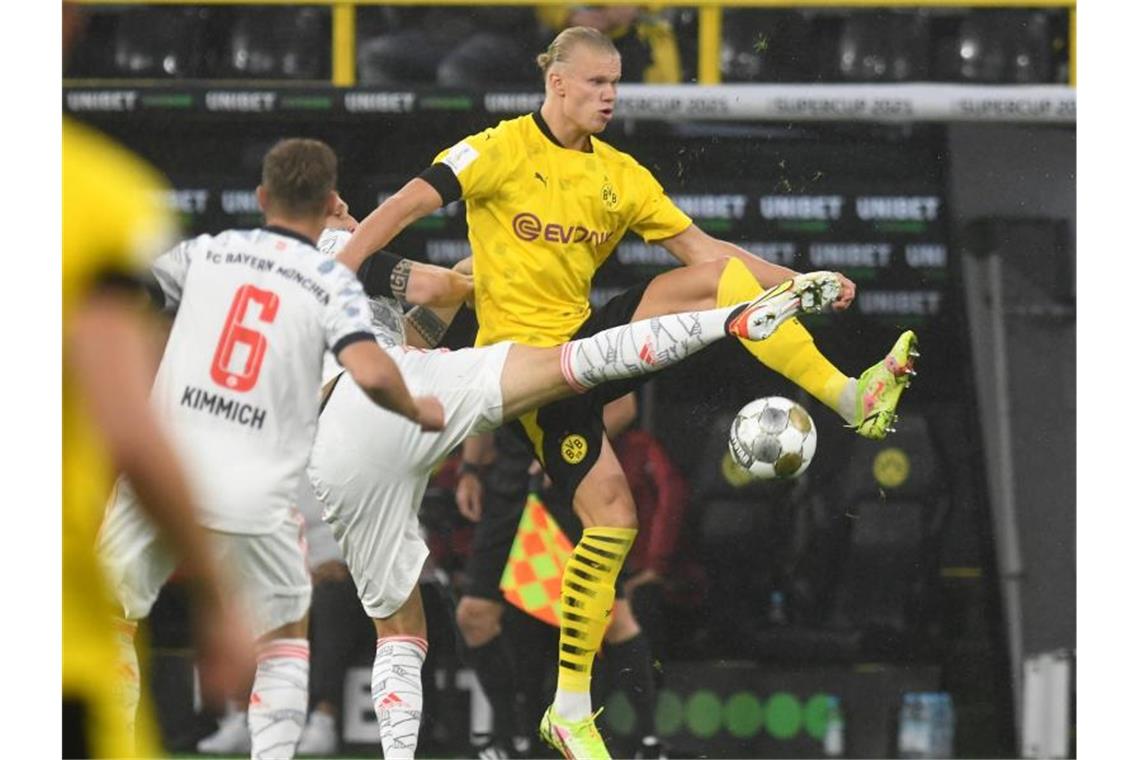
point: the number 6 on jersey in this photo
(234, 333)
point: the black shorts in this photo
(568, 433)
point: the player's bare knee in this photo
(708, 276)
(611, 506)
(479, 620)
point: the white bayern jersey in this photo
(239, 382)
(386, 315)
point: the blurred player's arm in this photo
(109, 349)
(380, 378)
(478, 453)
(694, 246)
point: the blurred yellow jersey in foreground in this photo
(112, 224)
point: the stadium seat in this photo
(884, 47)
(1007, 47)
(279, 43)
(159, 43)
(769, 46)
(896, 502)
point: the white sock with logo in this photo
(641, 347)
(279, 702)
(398, 693)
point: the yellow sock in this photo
(587, 599)
(790, 350)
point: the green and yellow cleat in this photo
(879, 388)
(579, 740)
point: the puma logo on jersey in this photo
(540, 178)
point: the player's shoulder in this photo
(614, 157)
(89, 154)
(508, 132)
(113, 210)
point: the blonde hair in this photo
(569, 38)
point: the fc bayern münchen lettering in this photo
(221, 406)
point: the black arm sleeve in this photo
(131, 284)
(444, 181)
(376, 273)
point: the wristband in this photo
(466, 468)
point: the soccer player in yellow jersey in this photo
(111, 221)
(547, 202)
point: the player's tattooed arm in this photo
(427, 325)
(385, 274)
(398, 280)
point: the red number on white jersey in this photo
(235, 334)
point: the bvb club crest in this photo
(609, 197)
(574, 448)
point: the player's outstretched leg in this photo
(791, 351)
(880, 387)
(652, 344)
(533, 377)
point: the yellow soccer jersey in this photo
(110, 216)
(541, 220)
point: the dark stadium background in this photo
(945, 582)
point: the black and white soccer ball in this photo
(772, 437)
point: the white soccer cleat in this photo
(809, 293)
(231, 738)
(817, 291)
(319, 737)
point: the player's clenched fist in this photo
(429, 413)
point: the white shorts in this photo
(269, 570)
(370, 467)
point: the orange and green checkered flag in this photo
(532, 579)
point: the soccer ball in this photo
(772, 437)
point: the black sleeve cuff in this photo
(131, 284)
(443, 179)
(375, 274)
(349, 339)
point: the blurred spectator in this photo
(279, 43)
(883, 46)
(1002, 46)
(660, 494)
(642, 34)
(451, 47)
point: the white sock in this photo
(398, 693)
(640, 347)
(127, 685)
(280, 698)
(572, 705)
